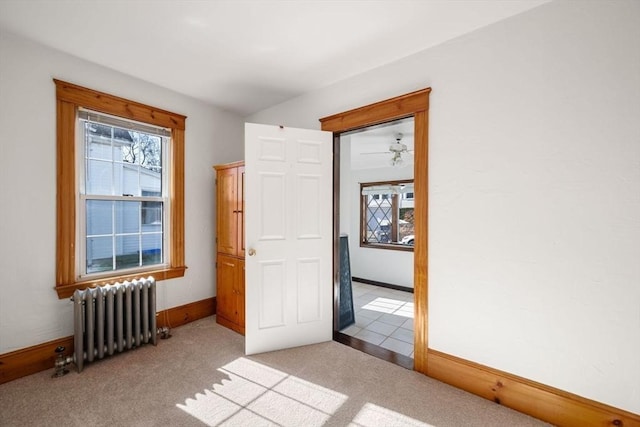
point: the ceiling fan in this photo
(397, 149)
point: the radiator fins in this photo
(113, 318)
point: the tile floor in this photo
(384, 317)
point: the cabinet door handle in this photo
(252, 252)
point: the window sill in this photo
(66, 290)
(387, 246)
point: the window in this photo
(120, 211)
(386, 219)
(122, 223)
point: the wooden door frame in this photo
(416, 105)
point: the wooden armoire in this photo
(230, 245)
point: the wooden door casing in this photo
(414, 104)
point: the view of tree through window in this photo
(387, 214)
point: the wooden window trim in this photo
(69, 98)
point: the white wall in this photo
(381, 265)
(534, 238)
(30, 311)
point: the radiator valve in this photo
(61, 363)
(164, 332)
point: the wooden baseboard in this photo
(178, 316)
(27, 361)
(538, 400)
(382, 284)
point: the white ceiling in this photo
(246, 55)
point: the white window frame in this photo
(82, 197)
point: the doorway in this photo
(377, 228)
(416, 105)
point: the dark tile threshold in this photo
(374, 350)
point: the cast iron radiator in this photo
(113, 318)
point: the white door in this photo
(288, 237)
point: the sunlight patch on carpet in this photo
(255, 394)
(374, 416)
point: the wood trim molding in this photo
(66, 194)
(382, 284)
(178, 316)
(30, 360)
(110, 104)
(41, 357)
(231, 165)
(546, 403)
(380, 112)
(66, 291)
(421, 241)
(69, 98)
(176, 184)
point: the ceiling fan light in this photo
(396, 160)
(398, 148)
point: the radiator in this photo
(113, 318)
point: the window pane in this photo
(151, 181)
(99, 141)
(379, 219)
(405, 226)
(121, 162)
(142, 163)
(151, 249)
(150, 151)
(99, 254)
(152, 216)
(129, 179)
(99, 177)
(99, 217)
(127, 217)
(127, 251)
(126, 153)
(121, 220)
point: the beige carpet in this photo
(201, 377)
